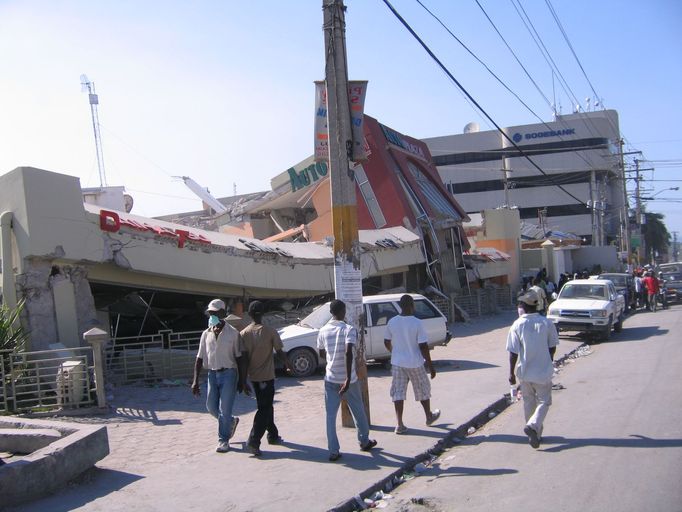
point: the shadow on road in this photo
(634, 441)
(435, 472)
(91, 485)
(637, 333)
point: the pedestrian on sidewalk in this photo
(542, 296)
(220, 350)
(406, 339)
(531, 343)
(336, 343)
(260, 343)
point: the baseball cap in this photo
(215, 305)
(530, 298)
(256, 307)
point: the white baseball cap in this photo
(215, 305)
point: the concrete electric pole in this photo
(347, 274)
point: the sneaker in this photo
(533, 438)
(434, 416)
(223, 447)
(369, 445)
(401, 429)
(275, 440)
(253, 450)
(235, 422)
(334, 456)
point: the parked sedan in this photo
(300, 340)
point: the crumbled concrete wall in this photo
(35, 287)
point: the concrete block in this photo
(50, 468)
(26, 440)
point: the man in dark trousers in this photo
(531, 344)
(260, 341)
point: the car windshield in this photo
(615, 279)
(672, 277)
(583, 291)
(317, 318)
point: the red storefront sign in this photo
(113, 222)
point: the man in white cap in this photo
(531, 344)
(220, 350)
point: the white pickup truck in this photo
(588, 305)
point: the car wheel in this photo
(303, 362)
(618, 326)
(606, 333)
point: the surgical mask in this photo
(521, 311)
(213, 321)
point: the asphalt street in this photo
(612, 440)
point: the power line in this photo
(463, 89)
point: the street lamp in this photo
(651, 198)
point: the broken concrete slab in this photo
(48, 469)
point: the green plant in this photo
(12, 335)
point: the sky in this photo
(222, 91)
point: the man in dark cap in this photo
(260, 341)
(531, 344)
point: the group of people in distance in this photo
(647, 288)
(234, 358)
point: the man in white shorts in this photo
(407, 341)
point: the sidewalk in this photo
(162, 441)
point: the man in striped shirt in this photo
(336, 342)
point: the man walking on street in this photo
(407, 341)
(260, 341)
(220, 350)
(531, 343)
(336, 343)
(652, 289)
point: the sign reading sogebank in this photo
(113, 222)
(517, 137)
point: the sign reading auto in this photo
(113, 222)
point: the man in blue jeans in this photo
(336, 342)
(220, 350)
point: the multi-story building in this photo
(579, 189)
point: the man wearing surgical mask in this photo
(220, 350)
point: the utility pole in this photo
(675, 251)
(638, 209)
(625, 227)
(347, 274)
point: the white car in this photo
(588, 305)
(300, 340)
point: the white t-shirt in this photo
(333, 338)
(406, 333)
(531, 337)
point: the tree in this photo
(656, 236)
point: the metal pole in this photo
(347, 274)
(638, 209)
(625, 246)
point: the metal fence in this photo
(47, 380)
(485, 301)
(153, 357)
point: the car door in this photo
(378, 315)
(432, 319)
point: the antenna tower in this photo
(89, 87)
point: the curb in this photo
(452, 438)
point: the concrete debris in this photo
(471, 430)
(419, 468)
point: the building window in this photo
(369, 197)
(436, 199)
